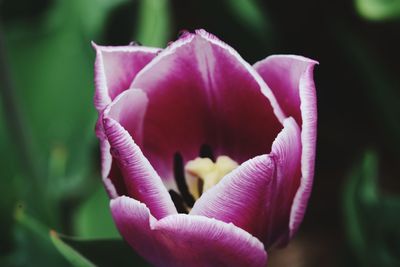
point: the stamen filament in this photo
(180, 180)
(178, 201)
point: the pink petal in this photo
(133, 103)
(115, 68)
(283, 74)
(291, 80)
(183, 240)
(129, 110)
(106, 161)
(201, 91)
(139, 178)
(257, 196)
(111, 175)
(133, 220)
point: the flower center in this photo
(203, 173)
(197, 176)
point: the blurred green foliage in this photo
(73, 256)
(93, 218)
(250, 14)
(154, 22)
(378, 10)
(48, 79)
(8, 172)
(32, 243)
(382, 86)
(372, 219)
(40, 246)
(99, 252)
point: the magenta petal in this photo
(201, 91)
(291, 80)
(208, 242)
(133, 220)
(286, 76)
(115, 68)
(262, 188)
(106, 160)
(140, 179)
(182, 240)
(128, 109)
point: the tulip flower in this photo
(208, 161)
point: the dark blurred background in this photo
(49, 167)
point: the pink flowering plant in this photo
(208, 160)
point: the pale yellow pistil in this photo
(205, 172)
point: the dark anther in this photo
(180, 180)
(135, 43)
(206, 152)
(178, 201)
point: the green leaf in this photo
(74, 257)
(96, 209)
(153, 22)
(33, 246)
(103, 252)
(39, 246)
(378, 9)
